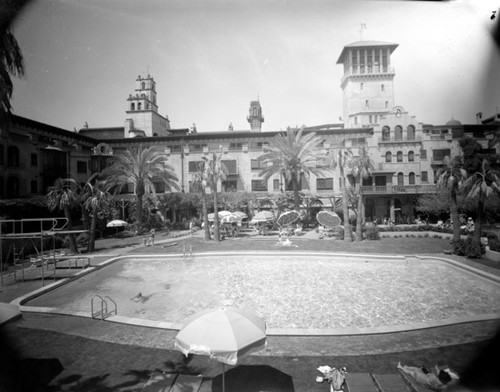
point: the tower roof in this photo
(366, 44)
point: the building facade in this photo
(407, 152)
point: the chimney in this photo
(479, 118)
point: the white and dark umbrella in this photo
(329, 219)
(224, 334)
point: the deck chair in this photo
(391, 383)
(413, 386)
(360, 382)
(159, 382)
(187, 383)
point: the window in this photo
(423, 154)
(424, 176)
(257, 164)
(386, 104)
(13, 156)
(12, 187)
(438, 155)
(386, 133)
(34, 186)
(367, 103)
(259, 186)
(411, 156)
(196, 147)
(230, 185)
(401, 179)
(370, 119)
(34, 159)
(361, 86)
(276, 185)
(324, 184)
(143, 85)
(194, 186)
(195, 166)
(132, 106)
(235, 146)
(410, 131)
(139, 106)
(382, 87)
(399, 156)
(81, 167)
(355, 120)
(398, 133)
(388, 156)
(411, 178)
(230, 166)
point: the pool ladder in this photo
(103, 313)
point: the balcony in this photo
(416, 139)
(398, 189)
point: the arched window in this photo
(386, 133)
(399, 156)
(398, 132)
(12, 187)
(132, 106)
(410, 132)
(411, 156)
(13, 156)
(401, 179)
(411, 178)
(143, 85)
(388, 156)
(139, 106)
(254, 111)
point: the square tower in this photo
(367, 83)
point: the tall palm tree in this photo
(343, 159)
(142, 167)
(290, 155)
(95, 196)
(449, 179)
(479, 186)
(362, 167)
(200, 178)
(215, 171)
(62, 196)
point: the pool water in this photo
(287, 291)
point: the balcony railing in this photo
(400, 189)
(392, 139)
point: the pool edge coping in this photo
(348, 331)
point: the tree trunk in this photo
(205, 213)
(72, 240)
(296, 198)
(139, 211)
(361, 216)
(454, 216)
(345, 209)
(216, 214)
(478, 224)
(93, 227)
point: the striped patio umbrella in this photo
(329, 219)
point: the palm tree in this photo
(62, 196)
(11, 57)
(290, 155)
(215, 171)
(479, 186)
(96, 196)
(200, 178)
(362, 167)
(142, 167)
(449, 179)
(343, 158)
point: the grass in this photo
(101, 356)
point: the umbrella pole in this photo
(223, 378)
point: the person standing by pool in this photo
(437, 381)
(151, 240)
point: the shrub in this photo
(494, 244)
(372, 233)
(468, 248)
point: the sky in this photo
(210, 58)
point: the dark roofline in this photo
(372, 44)
(28, 123)
(102, 129)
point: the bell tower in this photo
(143, 118)
(367, 83)
(255, 117)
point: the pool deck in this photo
(64, 336)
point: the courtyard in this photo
(106, 356)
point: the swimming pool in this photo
(292, 292)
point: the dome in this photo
(453, 122)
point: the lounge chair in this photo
(159, 382)
(390, 383)
(413, 386)
(360, 382)
(187, 383)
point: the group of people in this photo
(437, 379)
